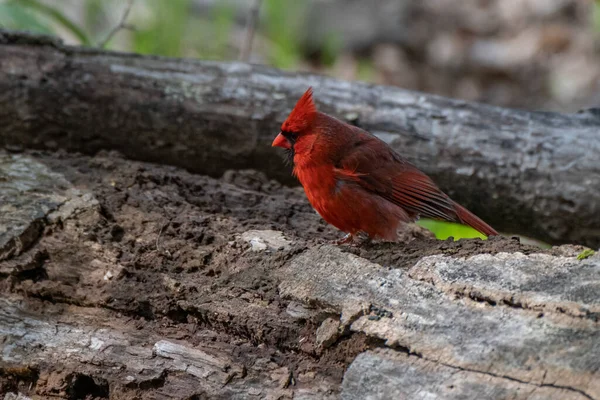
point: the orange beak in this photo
(281, 141)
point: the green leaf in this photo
(585, 254)
(444, 230)
(14, 16)
(57, 16)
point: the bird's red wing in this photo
(415, 191)
(410, 189)
(376, 168)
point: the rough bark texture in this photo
(146, 282)
(524, 172)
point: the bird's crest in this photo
(302, 115)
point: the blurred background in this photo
(533, 54)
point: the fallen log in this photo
(532, 173)
(145, 281)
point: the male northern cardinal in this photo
(356, 182)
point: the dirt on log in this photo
(530, 173)
(129, 280)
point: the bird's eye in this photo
(290, 136)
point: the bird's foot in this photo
(355, 240)
(347, 239)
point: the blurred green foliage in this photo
(164, 30)
(168, 27)
(283, 22)
(366, 70)
(596, 15)
(14, 16)
(36, 16)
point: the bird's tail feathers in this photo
(468, 218)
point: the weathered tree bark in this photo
(148, 282)
(524, 172)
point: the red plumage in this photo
(356, 182)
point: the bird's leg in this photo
(347, 239)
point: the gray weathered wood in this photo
(523, 172)
(138, 359)
(490, 325)
(28, 192)
(509, 340)
(386, 375)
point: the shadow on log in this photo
(523, 172)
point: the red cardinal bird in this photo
(356, 182)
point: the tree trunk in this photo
(143, 281)
(523, 172)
